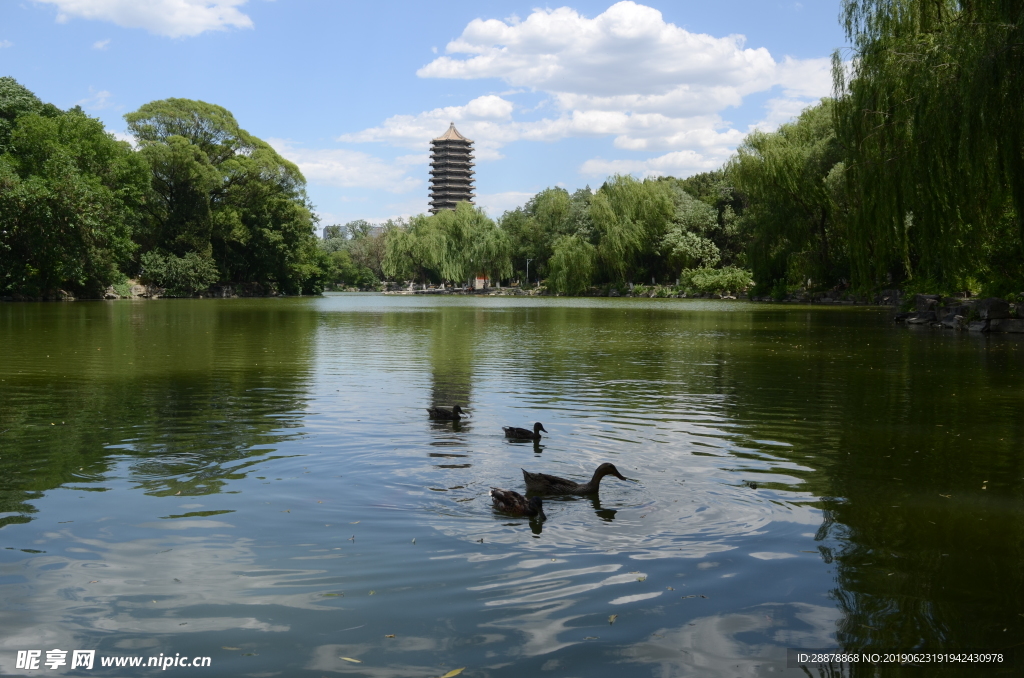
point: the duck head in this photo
(458, 410)
(538, 427)
(607, 469)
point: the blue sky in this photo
(557, 95)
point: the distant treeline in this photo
(197, 202)
(911, 177)
(628, 230)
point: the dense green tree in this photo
(686, 243)
(547, 216)
(930, 114)
(226, 195)
(17, 100)
(716, 190)
(792, 178)
(355, 251)
(70, 198)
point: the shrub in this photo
(728, 278)
(180, 276)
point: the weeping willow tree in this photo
(931, 111)
(572, 264)
(451, 245)
(631, 218)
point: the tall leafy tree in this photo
(70, 198)
(795, 217)
(225, 195)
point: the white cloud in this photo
(677, 163)
(101, 44)
(779, 111)
(625, 73)
(347, 169)
(651, 86)
(629, 50)
(6, 43)
(172, 18)
(495, 204)
(124, 136)
(96, 100)
(808, 78)
(481, 119)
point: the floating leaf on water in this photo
(453, 673)
(591, 637)
(690, 596)
(372, 592)
(389, 635)
(250, 654)
(349, 659)
(356, 523)
(612, 618)
(643, 578)
(233, 649)
(332, 595)
(95, 581)
(414, 541)
(670, 588)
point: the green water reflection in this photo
(252, 470)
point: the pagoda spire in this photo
(451, 170)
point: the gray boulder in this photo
(1015, 325)
(978, 326)
(926, 302)
(993, 308)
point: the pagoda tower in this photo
(451, 170)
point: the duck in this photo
(524, 433)
(515, 504)
(542, 483)
(450, 414)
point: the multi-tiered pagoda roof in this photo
(451, 170)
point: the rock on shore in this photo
(991, 314)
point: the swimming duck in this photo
(513, 503)
(450, 414)
(524, 433)
(545, 484)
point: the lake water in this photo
(256, 481)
